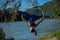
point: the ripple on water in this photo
(19, 30)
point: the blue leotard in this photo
(31, 17)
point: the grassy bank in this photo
(53, 36)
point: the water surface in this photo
(20, 30)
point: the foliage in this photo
(10, 11)
(51, 36)
(56, 7)
(2, 34)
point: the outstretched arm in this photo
(39, 21)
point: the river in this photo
(20, 30)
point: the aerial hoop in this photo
(41, 11)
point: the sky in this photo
(26, 5)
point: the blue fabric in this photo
(31, 17)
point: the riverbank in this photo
(52, 36)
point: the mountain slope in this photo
(47, 8)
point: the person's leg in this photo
(35, 33)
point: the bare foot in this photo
(35, 33)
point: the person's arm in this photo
(39, 21)
(28, 23)
(23, 18)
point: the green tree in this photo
(15, 6)
(56, 7)
(2, 34)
